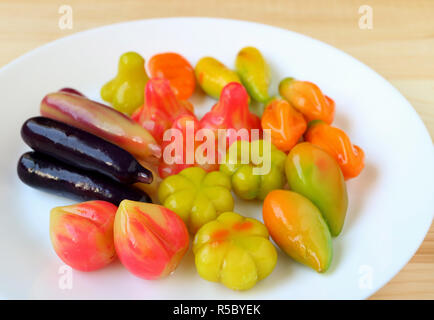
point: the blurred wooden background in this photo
(400, 47)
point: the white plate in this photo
(391, 203)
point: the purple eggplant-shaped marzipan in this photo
(83, 150)
(44, 172)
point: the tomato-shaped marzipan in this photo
(350, 157)
(314, 173)
(286, 124)
(298, 228)
(175, 68)
(307, 98)
(234, 250)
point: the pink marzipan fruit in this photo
(82, 234)
(102, 121)
(150, 239)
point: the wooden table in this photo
(400, 46)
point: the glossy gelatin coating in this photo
(102, 121)
(307, 98)
(234, 250)
(72, 91)
(350, 157)
(177, 70)
(150, 240)
(298, 228)
(125, 91)
(213, 76)
(197, 196)
(254, 73)
(82, 234)
(231, 112)
(160, 109)
(83, 150)
(314, 173)
(286, 124)
(245, 183)
(43, 172)
(152, 188)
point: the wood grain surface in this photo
(400, 47)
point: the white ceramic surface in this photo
(391, 202)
